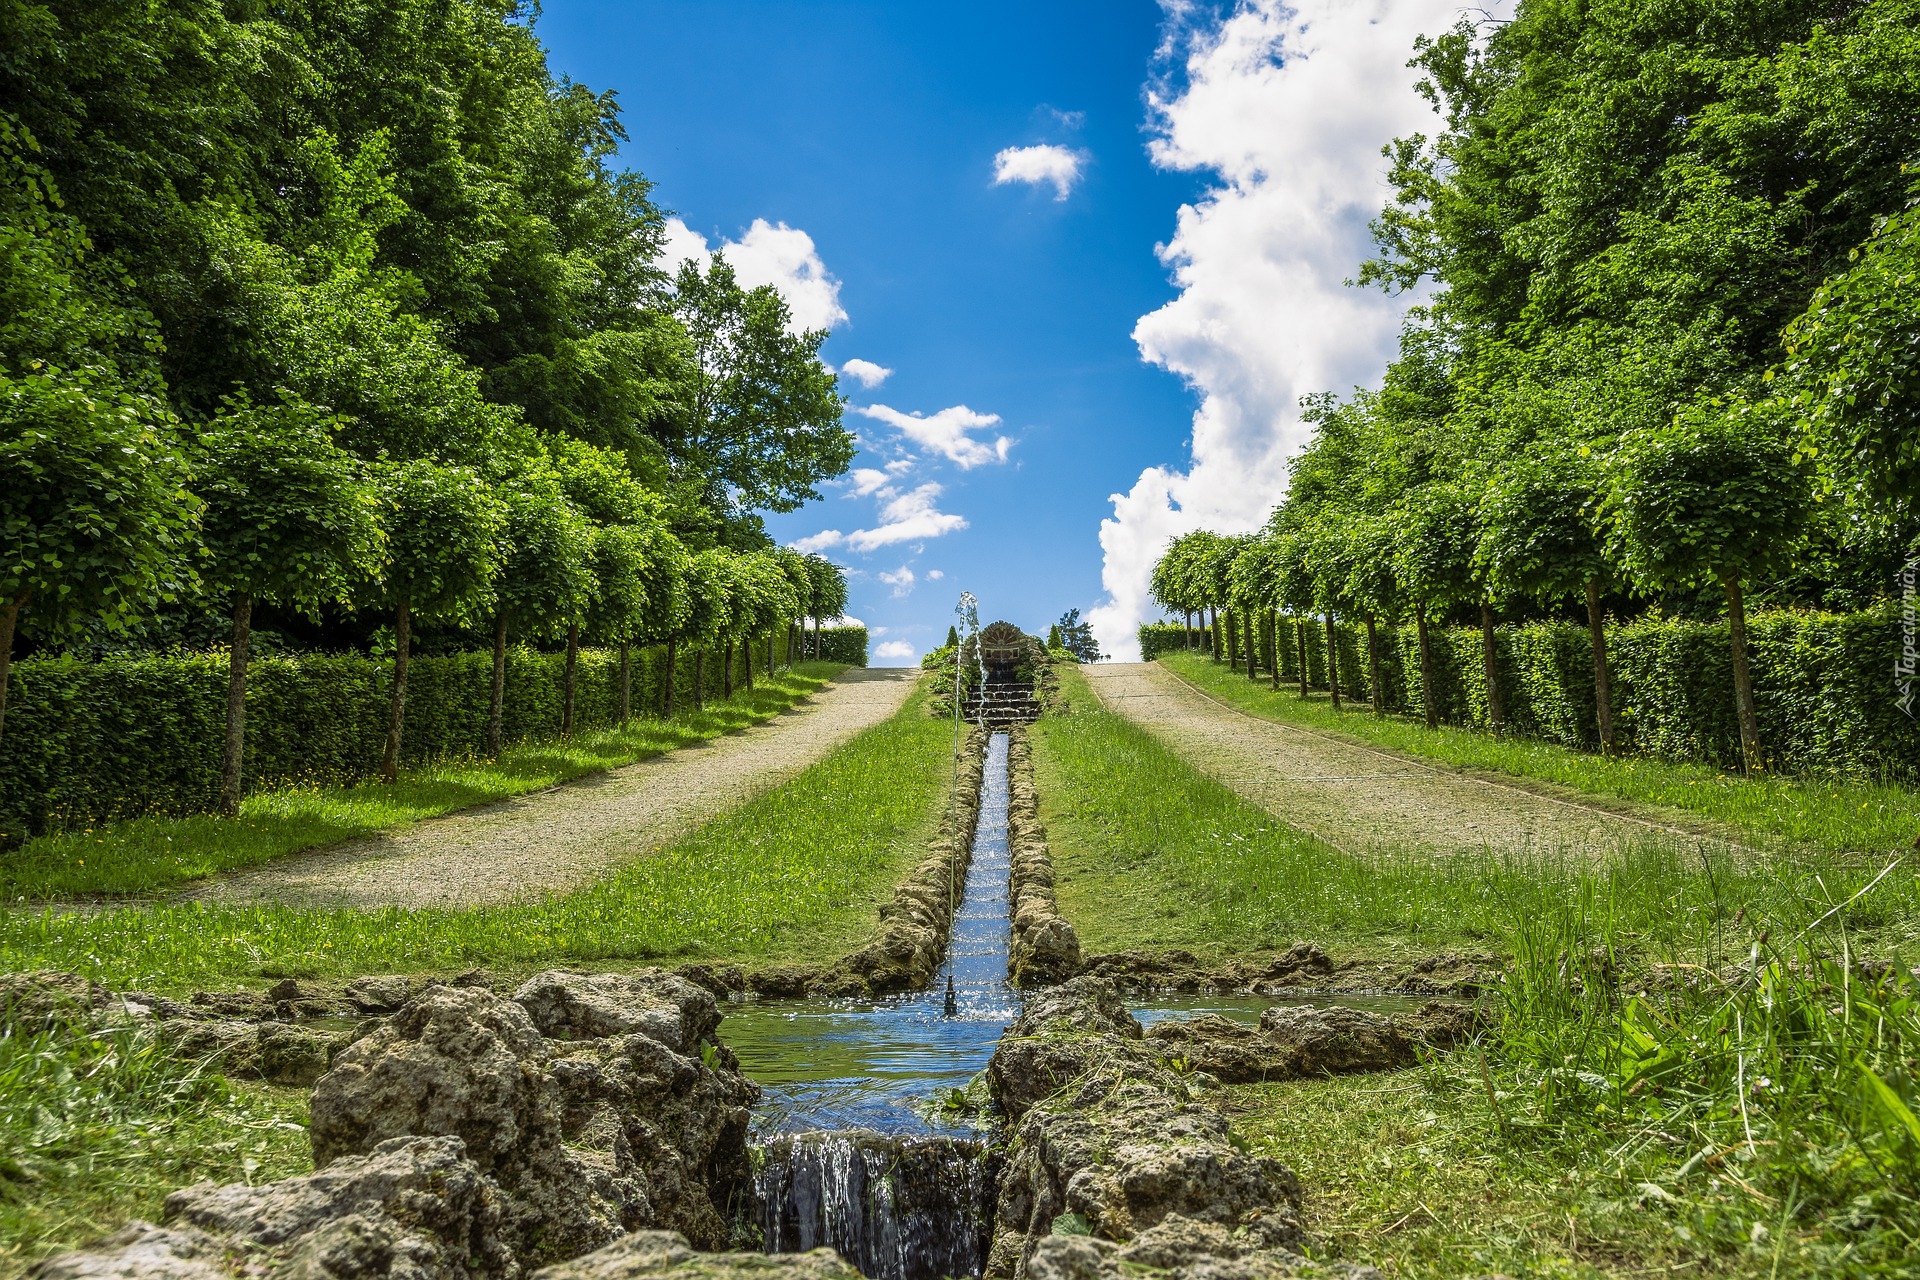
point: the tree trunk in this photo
(1273, 648)
(396, 715)
(1426, 666)
(700, 679)
(9, 619)
(1213, 635)
(673, 673)
(1300, 648)
(1373, 669)
(1333, 663)
(1742, 678)
(1496, 701)
(236, 703)
(1602, 678)
(726, 671)
(1233, 642)
(626, 685)
(573, 661)
(1253, 647)
(497, 707)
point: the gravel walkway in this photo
(556, 839)
(1352, 796)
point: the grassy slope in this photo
(1830, 813)
(795, 873)
(1537, 1158)
(1150, 852)
(149, 854)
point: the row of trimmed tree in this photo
(264, 507)
(1716, 498)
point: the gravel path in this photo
(1351, 796)
(557, 839)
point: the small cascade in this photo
(906, 1205)
(897, 1208)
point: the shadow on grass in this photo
(152, 854)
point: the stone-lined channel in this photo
(868, 1137)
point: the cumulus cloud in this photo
(894, 649)
(901, 580)
(945, 432)
(818, 541)
(866, 372)
(934, 575)
(866, 480)
(1286, 107)
(1039, 165)
(907, 517)
(770, 253)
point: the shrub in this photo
(1157, 638)
(95, 741)
(844, 644)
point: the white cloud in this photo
(866, 480)
(905, 517)
(944, 432)
(1287, 107)
(894, 649)
(934, 575)
(866, 372)
(818, 541)
(1039, 165)
(770, 253)
(901, 580)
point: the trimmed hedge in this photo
(1157, 638)
(843, 644)
(89, 742)
(1823, 685)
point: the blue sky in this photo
(847, 153)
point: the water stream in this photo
(857, 1145)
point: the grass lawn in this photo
(1688, 1069)
(146, 855)
(794, 874)
(1830, 813)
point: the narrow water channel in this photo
(862, 1141)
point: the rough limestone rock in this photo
(141, 1251)
(415, 1209)
(1303, 964)
(378, 993)
(661, 1006)
(46, 997)
(1045, 949)
(1181, 1249)
(652, 1253)
(586, 1139)
(1318, 1040)
(1129, 1142)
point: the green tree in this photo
(1433, 559)
(543, 580)
(95, 518)
(618, 614)
(442, 536)
(1717, 497)
(290, 519)
(709, 617)
(762, 427)
(828, 599)
(1541, 538)
(1077, 638)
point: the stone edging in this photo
(912, 938)
(1045, 947)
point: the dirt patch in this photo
(1355, 798)
(558, 839)
(1045, 947)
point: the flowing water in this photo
(867, 1137)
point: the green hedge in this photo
(1823, 685)
(843, 644)
(88, 742)
(1157, 638)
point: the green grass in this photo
(1830, 813)
(98, 1127)
(146, 855)
(1687, 1068)
(1150, 852)
(794, 873)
